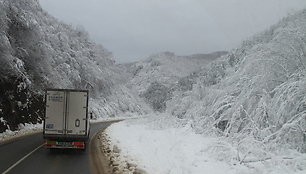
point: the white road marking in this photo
(14, 165)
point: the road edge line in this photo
(23, 158)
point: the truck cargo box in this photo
(66, 123)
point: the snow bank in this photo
(23, 130)
(178, 150)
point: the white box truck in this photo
(66, 123)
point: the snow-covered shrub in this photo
(18, 103)
(157, 94)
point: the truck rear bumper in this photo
(64, 144)
(65, 137)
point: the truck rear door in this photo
(76, 119)
(55, 112)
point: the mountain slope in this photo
(257, 90)
(243, 113)
(156, 77)
(37, 52)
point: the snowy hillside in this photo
(258, 89)
(37, 52)
(245, 113)
(156, 77)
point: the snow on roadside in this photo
(178, 150)
(25, 129)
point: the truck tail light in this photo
(79, 144)
(50, 143)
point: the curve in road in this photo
(43, 161)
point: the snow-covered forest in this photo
(37, 51)
(247, 106)
(257, 90)
(250, 101)
(156, 77)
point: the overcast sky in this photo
(134, 29)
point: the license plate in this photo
(64, 143)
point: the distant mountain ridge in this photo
(156, 77)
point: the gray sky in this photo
(134, 29)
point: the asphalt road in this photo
(42, 161)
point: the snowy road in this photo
(40, 160)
